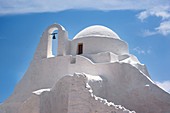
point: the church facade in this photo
(92, 73)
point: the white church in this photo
(92, 73)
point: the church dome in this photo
(97, 31)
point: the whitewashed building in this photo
(92, 73)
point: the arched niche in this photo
(54, 37)
(44, 49)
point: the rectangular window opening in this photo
(73, 60)
(80, 49)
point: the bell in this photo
(54, 36)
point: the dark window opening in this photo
(80, 49)
(73, 60)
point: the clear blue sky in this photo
(146, 30)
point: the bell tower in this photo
(44, 49)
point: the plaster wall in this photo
(118, 86)
(131, 89)
(31, 105)
(56, 100)
(63, 43)
(124, 81)
(81, 98)
(131, 59)
(123, 57)
(102, 57)
(72, 94)
(82, 64)
(94, 45)
(113, 57)
(41, 74)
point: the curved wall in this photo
(94, 45)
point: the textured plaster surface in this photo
(113, 74)
(72, 94)
(82, 99)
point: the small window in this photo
(80, 48)
(72, 60)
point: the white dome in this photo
(97, 31)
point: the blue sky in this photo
(145, 26)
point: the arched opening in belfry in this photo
(54, 36)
